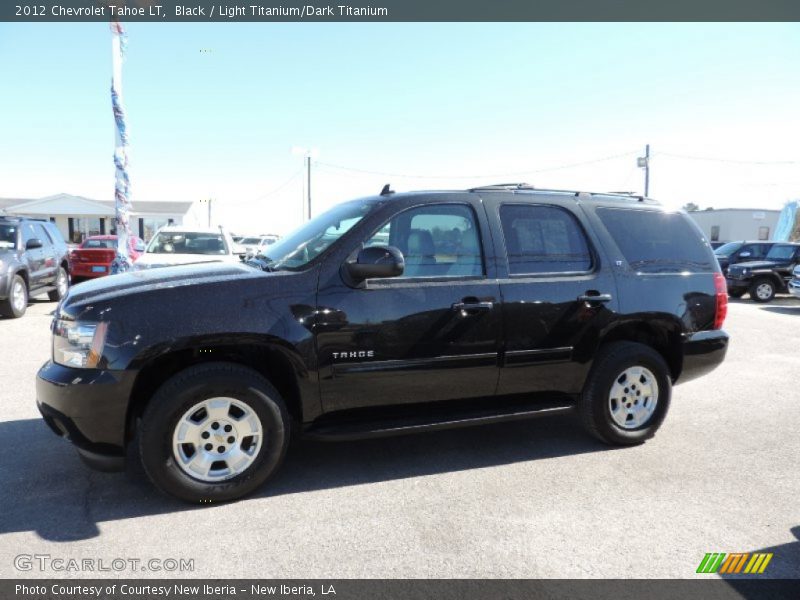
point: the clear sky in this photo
(214, 110)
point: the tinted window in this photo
(543, 239)
(728, 249)
(656, 241)
(440, 240)
(8, 235)
(99, 244)
(187, 242)
(781, 252)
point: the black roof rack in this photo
(529, 187)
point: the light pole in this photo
(307, 154)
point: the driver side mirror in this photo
(376, 262)
(33, 243)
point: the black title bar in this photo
(162, 11)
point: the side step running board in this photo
(371, 429)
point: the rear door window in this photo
(654, 241)
(543, 239)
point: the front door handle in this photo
(594, 297)
(466, 308)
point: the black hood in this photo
(759, 264)
(136, 282)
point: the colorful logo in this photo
(721, 563)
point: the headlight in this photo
(77, 344)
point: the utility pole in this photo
(208, 202)
(308, 154)
(644, 162)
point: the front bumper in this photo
(703, 352)
(737, 285)
(86, 406)
(794, 287)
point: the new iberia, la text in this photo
(187, 590)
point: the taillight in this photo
(721, 288)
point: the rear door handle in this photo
(594, 298)
(466, 308)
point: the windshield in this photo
(187, 242)
(253, 241)
(780, 252)
(306, 243)
(8, 236)
(728, 249)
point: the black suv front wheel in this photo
(627, 394)
(213, 432)
(762, 290)
(17, 302)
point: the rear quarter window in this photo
(655, 241)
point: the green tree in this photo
(690, 207)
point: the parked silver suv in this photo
(33, 261)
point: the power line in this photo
(728, 160)
(272, 192)
(485, 176)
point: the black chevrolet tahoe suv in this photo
(33, 261)
(765, 278)
(388, 315)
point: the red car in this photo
(94, 256)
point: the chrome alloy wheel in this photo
(62, 283)
(633, 397)
(764, 291)
(217, 439)
(18, 296)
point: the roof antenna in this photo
(387, 190)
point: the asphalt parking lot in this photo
(528, 499)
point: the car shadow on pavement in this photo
(783, 310)
(48, 490)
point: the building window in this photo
(763, 233)
(83, 227)
(715, 233)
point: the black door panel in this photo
(555, 296)
(414, 338)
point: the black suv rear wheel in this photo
(213, 432)
(627, 394)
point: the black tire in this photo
(761, 284)
(186, 389)
(736, 293)
(594, 403)
(7, 306)
(57, 294)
